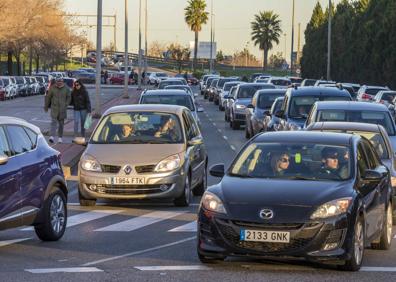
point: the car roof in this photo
(355, 126)
(318, 91)
(301, 137)
(276, 90)
(172, 109)
(374, 87)
(166, 92)
(173, 79)
(351, 105)
(253, 84)
(19, 121)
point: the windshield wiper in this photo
(297, 177)
(241, 175)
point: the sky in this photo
(166, 22)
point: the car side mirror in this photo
(280, 114)
(217, 170)
(3, 159)
(195, 141)
(372, 175)
(80, 141)
(267, 113)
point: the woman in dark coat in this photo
(82, 106)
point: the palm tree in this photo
(265, 31)
(196, 16)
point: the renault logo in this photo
(128, 169)
(266, 214)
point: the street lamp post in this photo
(140, 47)
(329, 44)
(292, 42)
(211, 38)
(145, 37)
(98, 77)
(126, 57)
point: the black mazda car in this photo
(319, 196)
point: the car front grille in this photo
(129, 189)
(301, 235)
(145, 168)
(239, 116)
(110, 168)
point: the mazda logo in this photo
(266, 214)
(128, 169)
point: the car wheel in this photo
(84, 201)
(235, 125)
(210, 260)
(55, 217)
(247, 132)
(226, 116)
(201, 188)
(185, 198)
(216, 102)
(205, 96)
(357, 250)
(210, 99)
(385, 239)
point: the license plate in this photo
(128, 180)
(265, 236)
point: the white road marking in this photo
(65, 270)
(140, 252)
(85, 217)
(219, 130)
(10, 242)
(225, 137)
(378, 269)
(232, 148)
(189, 227)
(172, 267)
(140, 221)
(41, 120)
(214, 124)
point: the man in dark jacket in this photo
(57, 98)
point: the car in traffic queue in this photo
(367, 93)
(171, 81)
(363, 112)
(224, 93)
(299, 101)
(172, 97)
(385, 97)
(33, 188)
(321, 82)
(242, 97)
(308, 82)
(156, 77)
(119, 78)
(182, 87)
(377, 136)
(219, 88)
(254, 76)
(212, 89)
(143, 152)
(204, 82)
(280, 82)
(271, 121)
(208, 84)
(294, 195)
(190, 79)
(228, 102)
(255, 112)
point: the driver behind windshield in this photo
(168, 130)
(280, 163)
(330, 166)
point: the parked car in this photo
(10, 91)
(171, 81)
(162, 156)
(294, 194)
(299, 101)
(21, 86)
(33, 188)
(118, 78)
(42, 84)
(224, 93)
(2, 91)
(85, 77)
(367, 93)
(271, 121)
(255, 112)
(171, 97)
(280, 82)
(377, 136)
(363, 112)
(69, 82)
(242, 98)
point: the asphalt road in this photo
(146, 241)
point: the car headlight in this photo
(332, 208)
(212, 203)
(240, 107)
(170, 163)
(89, 163)
(295, 127)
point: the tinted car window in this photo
(277, 106)
(300, 106)
(223, 81)
(361, 160)
(4, 148)
(228, 86)
(163, 84)
(33, 137)
(19, 139)
(373, 91)
(179, 100)
(280, 82)
(266, 100)
(374, 117)
(250, 90)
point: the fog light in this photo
(330, 246)
(164, 187)
(92, 187)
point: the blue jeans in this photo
(79, 119)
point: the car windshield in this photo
(227, 86)
(249, 91)
(161, 74)
(277, 106)
(214, 83)
(309, 82)
(209, 81)
(301, 106)
(266, 100)
(373, 91)
(221, 82)
(179, 100)
(374, 117)
(165, 83)
(293, 161)
(179, 87)
(138, 128)
(280, 82)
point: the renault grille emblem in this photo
(127, 169)
(266, 214)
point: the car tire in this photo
(216, 102)
(210, 260)
(201, 188)
(357, 251)
(226, 117)
(185, 199)
(235, 125)
(385, 239)
(54, 215)
(247, 132)
(85, 202)
(210, 99)
(205, 96)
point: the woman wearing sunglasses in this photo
(82, 107)
(280, 163)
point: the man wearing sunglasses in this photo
(331, 165)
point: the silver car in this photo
(141, 152)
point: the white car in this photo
(280, 82)
(10, 90)
(157, 77)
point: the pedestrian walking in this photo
(106, 76)
(81, 105)
(57, 99)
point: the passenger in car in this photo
(330, 167)
(168, 130)
(128, 132)
(280, 163)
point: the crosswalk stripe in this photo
(140, 221)
(172, 267)
(189, 227)
(10, 242)
(64, 270)
(85, 217)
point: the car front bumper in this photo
(219, 236)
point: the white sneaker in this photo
(60, 140)
(51, 140)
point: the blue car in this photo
(33, 190)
